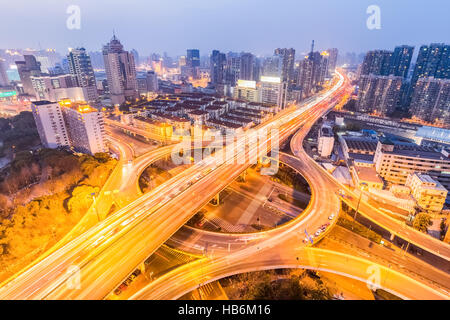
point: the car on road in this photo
(331, 217)
(318, 232)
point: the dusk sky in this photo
(258, 26)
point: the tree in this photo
(422, 221)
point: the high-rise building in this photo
(152, 81)
(431, 100)
(193, 58)
(432, 61)
(217, 67)
(54, 88)
(272, 66)
(401, 61)
(377, 62)
(136, 56)
(246, 90)
(305, 77)
(26, 69)
(247, 67)
(4, 81)
(332, 60)
(379, 94)
(273, 91)
(232, 68)
(81, 68)
(50, 124)
(120, 72)
(288, 60)
(85, 127)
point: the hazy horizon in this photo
(172, 26)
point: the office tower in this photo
(305, 77)
(26, 69)
(85, 127)
(152, 81)
(272, 66)
(193, 58)
(4, 81)
(247, 67)
(432, 61)
(50, 124)
(136, 56)
(217, 67)
(288, 60)
(323, 67)
(192, 63)
(332, 60)
(120, 72)
(273, 91)
(97, 59)
(379, 94)
(431, 100)
(401, 60)
(81, 68)
(377, 62)
(232, 68)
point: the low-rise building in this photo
(325, 141)
(395, 161)
(429, 194)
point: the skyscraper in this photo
(120, 72)
(288, 60)
(377, 62)
(431, 100)
(50, 124)
(401, 60)
(193, 58)
(81, 68)
(4, 81)
(273, 66)
(332, 60)
(28, 68)
(247, 66)
(192, 63)
(217, 67)
(379, 94)
(432, 61)
(233, 68)
(305, 77)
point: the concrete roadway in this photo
(263, 255)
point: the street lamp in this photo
(363, 186)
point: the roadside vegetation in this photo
(345, 220)
(18, 133)
(276, 285)
(43, 194)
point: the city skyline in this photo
(173, 26)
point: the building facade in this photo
(120, 72)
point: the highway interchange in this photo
(109, 251)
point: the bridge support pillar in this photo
(242, 176)
(142, 267)
(216, 200)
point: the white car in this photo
(331, 217)
(318, 232)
